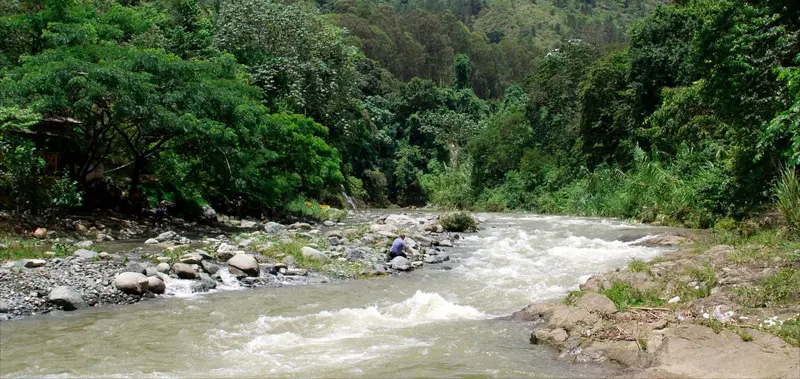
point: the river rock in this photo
(569, 318)
(400, 264)
(163, 267)
(40, 233)
(299, 226)
(557, 336)
(333, 234)
(247, 224)
(296, 272)
(333, 241)
(355, 254)
(32, 263)
(67, 298)
(328, 223)
(273, 227)
(156, 285)
(207, 281)
(246, 263)
(596, 283)
(446, 243)
(184, 271)
(209, 213)
(166, 236)
(596, 303)
(210, 267)
(289, 261)
(225, 251)
(191, 258)
(238, 274)
(400, 220)
(312, 253)
(131, 283)
(81, 229)
(86, 254)
(84, 244)
(135, 267)
(151, 241)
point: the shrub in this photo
(458, 222)
(787, 196)
(448, 187)
(624, 296)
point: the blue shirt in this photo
(398, 246)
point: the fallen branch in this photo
(651, 309)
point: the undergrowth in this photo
(625, 296)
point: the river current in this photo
(442, 321)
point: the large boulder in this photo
(273, 227)
(596, 283)
(312, 253)
(438, 258)
(209, 212)
(156, 285)
(132, 283)
(81, 229)
(163, 267)
(166, 236)
(570, 318)
(225, 251)
(400, 220)
(151, 241)
(184, 271)
(246, 263)
(67, 298)
(86, 254)
(400, 264)
(135, 267)
(596, 303)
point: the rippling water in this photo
(427, 323)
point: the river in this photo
(429, 323)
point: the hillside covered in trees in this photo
(682, 113)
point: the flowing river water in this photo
(428, 323)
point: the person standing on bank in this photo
(398, 248)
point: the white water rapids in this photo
(432, 322)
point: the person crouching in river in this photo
(398, 248)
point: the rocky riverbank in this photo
(75, 273)
(718, 312)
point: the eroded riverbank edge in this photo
(696, 311)
(89, 267)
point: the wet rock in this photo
(84, 244)
(548, 336)
(596, 303)
(400, 264)
(156, 285)
(246, 263)
(225, 251)
(151, 241)
(184, 271)
(40, 233)
(131, 283)
(569, 318)
(67, 298)
(209, 266)
(166, 236)
(86, 254)
(32, 263)
(238, 274)
(665, 240)
(438, 258)
(312, 253)
(163, 267)
(135, 267)
(273, 227)
(446, 243)
(207, 281)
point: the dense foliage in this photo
(683, 112)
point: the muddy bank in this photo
(712, 312)
(73, 272)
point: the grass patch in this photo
(358, 232)
(638, 265)
(642, 343)
(715, 325)
(334, 267)
(17, 248)
(310, 209)
(625, 296)
(776, 290)
(789, 331)
(573, 296)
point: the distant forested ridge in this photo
(681, 113)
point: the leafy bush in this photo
(64, 194)
(458, 222)
(310, 209)
(624, 296)
(787, 195)
(448, 187)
